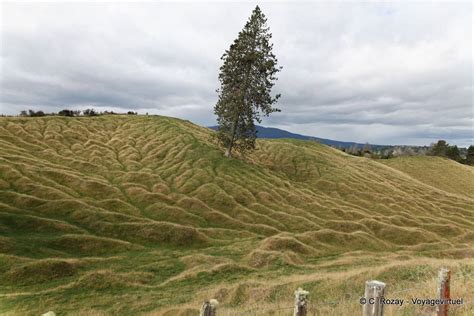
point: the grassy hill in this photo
(143, 215)
(442, 173)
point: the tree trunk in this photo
(228, 152)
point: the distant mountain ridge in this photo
(271, 132)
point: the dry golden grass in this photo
(438, 172)
(143, 215)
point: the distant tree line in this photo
(462, 155)
(386, 152)
(440, 149)
(72, 113)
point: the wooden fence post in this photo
(209, 308)
(444, 278)
(374, 291)
(301, 302)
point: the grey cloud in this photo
(378, 72)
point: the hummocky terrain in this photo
(144, 215)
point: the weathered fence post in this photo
(374, 292)
(444, 278)
(301, 302)
(209, 308)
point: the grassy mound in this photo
(89, 245)
(107, 279)
(40, 271)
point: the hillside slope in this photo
(441, 173)
(143, 206)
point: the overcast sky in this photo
(384, 73)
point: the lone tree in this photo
(247, 77)
(439, 149)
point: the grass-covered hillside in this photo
(441, 173)
(144, 215)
